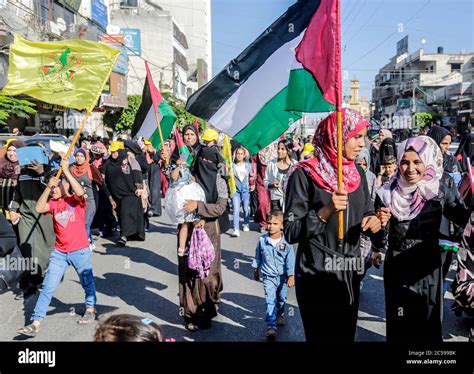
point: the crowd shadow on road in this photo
(143, 256)
(247, 321)
(371, 320)
(237, 262)
(136, 292)
(74, 310)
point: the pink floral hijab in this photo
(404, 200)
(323, 167)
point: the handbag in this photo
(201, 253)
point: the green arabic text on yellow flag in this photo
(71, 73)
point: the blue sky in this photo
(369, 30)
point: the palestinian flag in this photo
(145, 120)
(183, 150)
(289, 69)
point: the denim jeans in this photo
(58, 264)
(88, 226)
(237, 199)
(275, 297)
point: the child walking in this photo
(275, 262)
(71, 246)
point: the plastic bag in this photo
(201, 252)
(177, 196)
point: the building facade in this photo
(194, 16)
(163, 44)
(424, 82)
(50, 20)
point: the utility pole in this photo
(414, 103)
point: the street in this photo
(141, 279)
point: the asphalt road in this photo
(142, 279)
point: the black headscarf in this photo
(387, 148)
(206, 166)
(122, 155)
(194, 149)
(438, 133)
(132, 146)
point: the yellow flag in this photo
(71, 73)
(227, 154)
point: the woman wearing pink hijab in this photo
(417, 198)
(328, 296)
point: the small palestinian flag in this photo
(183, 150)
(289, 69)
(145, 120)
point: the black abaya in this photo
(328, 298)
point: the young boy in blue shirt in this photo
(275, 263)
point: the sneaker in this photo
(271, 334)
(235, 233)
(280, 320)
(263, 230)
(245, 228)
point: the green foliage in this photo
(122, 119)
(10, 106)
(423, 118)
(183, 118)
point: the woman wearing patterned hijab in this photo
(417, 198)
(328, 294)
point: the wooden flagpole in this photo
(340, 184)
(159, 127)
(74, 140)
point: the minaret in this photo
(355, 103)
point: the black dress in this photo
(412, 270)
(154, 180)
(328, 298)
(122, 181)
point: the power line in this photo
(365, 23)
(355, 16)
(389, 36)
(348, 13)
(109, 36)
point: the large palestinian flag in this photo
(289, 69)
(145, 123)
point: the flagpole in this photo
(74, 140)
(159, 129)
(339, 115)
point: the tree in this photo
(122, 119)
(183, 117)
(10, 106)
(422, 119)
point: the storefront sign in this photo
(132, 41)
(99, 13)
(113, 101)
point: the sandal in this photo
(29, 330)
(192, 327)
(122, 242)
(87, 318)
